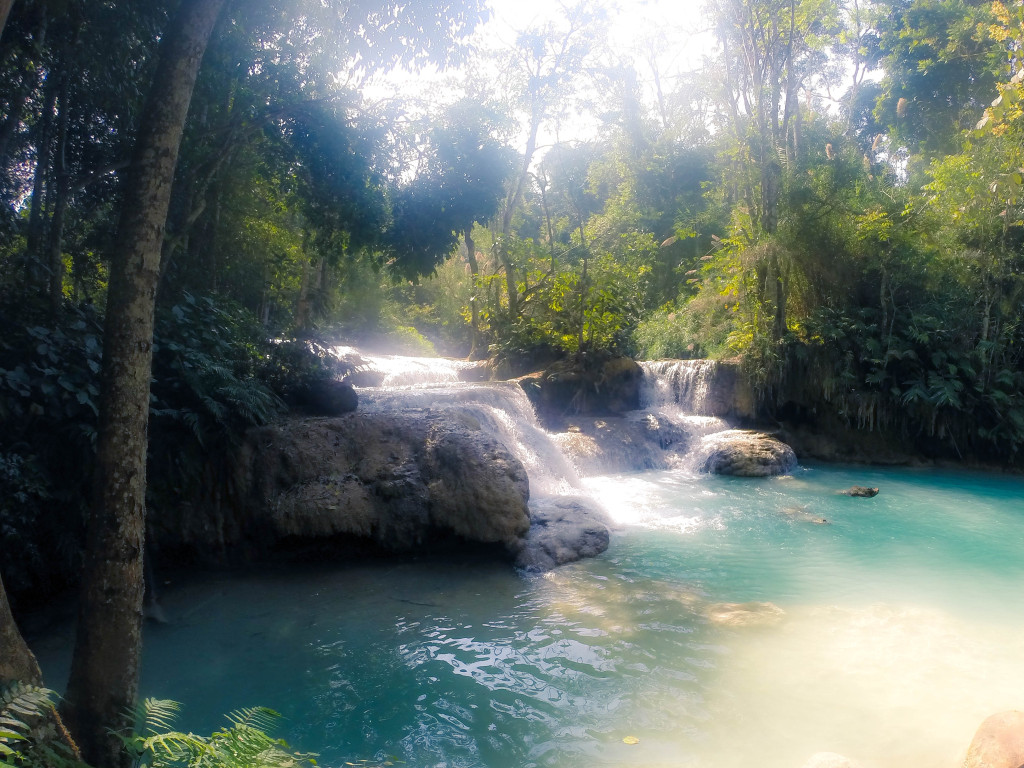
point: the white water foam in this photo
(402, 371)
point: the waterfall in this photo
(680, 391)
(683, 383)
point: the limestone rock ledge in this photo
(745, 453)
(398, 482)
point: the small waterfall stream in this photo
(683, 383)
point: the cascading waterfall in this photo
(501, 408)
(675, 396)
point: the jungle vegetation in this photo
(835, 199)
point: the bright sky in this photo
(678, 25)
(674, 29)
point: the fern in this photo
(31, 734)
(244, 743)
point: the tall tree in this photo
(545, 64)
(767, 49)
(105, 666)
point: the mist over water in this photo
(723, 627)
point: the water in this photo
(723, 627)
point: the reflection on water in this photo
(720, 629)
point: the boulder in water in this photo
(860, 490)
(998, 742)
(745, 453)
(562, 530)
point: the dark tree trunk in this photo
(16, 660)
(62, 193)
(474, 306)
(36, 228)
(105, 665)
(5, 8)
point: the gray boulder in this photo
(998, 742)
(562, 530)
(400, 482)
(745, 453)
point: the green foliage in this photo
(244, 742)
(291, 367)
(205, 361)
(663, 334)
(205, 392)
(49, 387)
(29, 735)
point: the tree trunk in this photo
(302, 309)
(55, 242)
(474, 306)
(16, 660)
(105, 666)
(36, 228)
(5, 8)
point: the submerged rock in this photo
(803, 515)
(745, 453)
(562, 530)
(830, 760)
(998, 742)
(860, 490)
(744, 614)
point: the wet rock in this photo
(745, 453)
(830, 760)
(860, 490)
(562, 530)
(998, 742)
(401, 482)
(479, 371)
